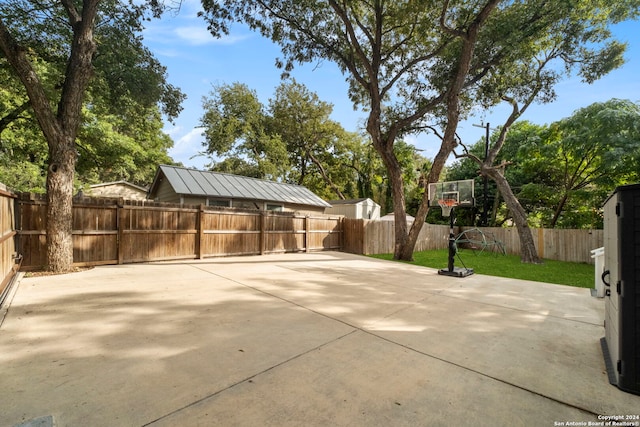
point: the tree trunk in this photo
(452, 98)
(494, 210)
(528, 252)
(399, 207)
(434, 175)
(62, 161)
(59, 129)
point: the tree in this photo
(386, 48)
(577, 37)
(292, 139)
(112, 143)
(22, 147)
(593, 146)
(561, 173)
(315, 143)
(409, 64)
(121, 147)
(59, 129)
(585, 157)
(527, 172)
(235, 126)
(63, 35)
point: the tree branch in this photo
(16, 55)
(74, 17)
(13, 115)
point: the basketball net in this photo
(446, 205)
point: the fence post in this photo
(200, 231)
(17, 223)
(306, 233)
(120, 221)
(263, 231)
(362, 237)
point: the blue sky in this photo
(196, 61)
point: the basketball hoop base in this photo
(457, 272)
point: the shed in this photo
(354, 208)
(193, 187)
(118, 189)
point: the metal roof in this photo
(214, 184)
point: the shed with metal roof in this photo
(191, 186)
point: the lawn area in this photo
(563, 273)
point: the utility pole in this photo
(484, 216)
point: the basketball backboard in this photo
(462, 192)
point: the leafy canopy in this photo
(120, 135)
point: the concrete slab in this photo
(362, 380)
(124, 345)
(301, 339)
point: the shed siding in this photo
(166, 193)
(370, 209)
(362, 209)
(350, 211)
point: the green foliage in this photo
(23, 150)
(414, 48)
(113, 148)
(120, 135)
(236, 127)
(589, 154)
(562, 173)
(315, 143)
(293, 139)
(510, 266)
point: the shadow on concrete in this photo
(325, 338)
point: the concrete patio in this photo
(301, 339)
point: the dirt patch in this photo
(53, 273)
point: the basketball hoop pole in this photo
(452, 240)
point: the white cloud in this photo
(197, 36)
(187, 147)
(193, 136)
(172, 130)
(187, 144)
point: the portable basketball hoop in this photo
(446, 205)
(450, 195)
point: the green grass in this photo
(559, 272)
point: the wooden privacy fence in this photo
(376, 237)
(362, 236)
(8, 260)
(112, 231)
